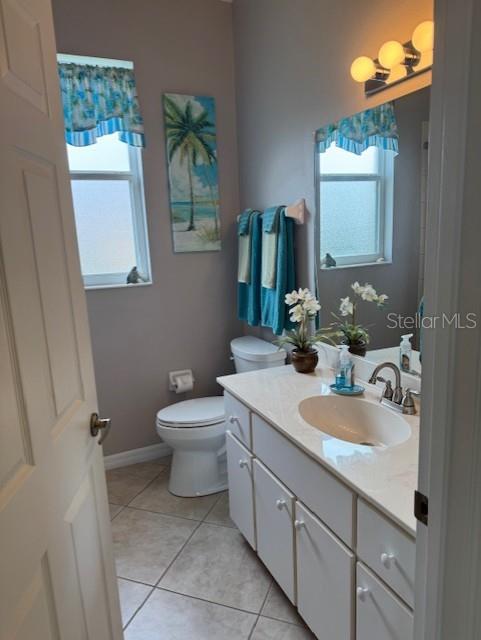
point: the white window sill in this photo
(92, 287)
(357, 266)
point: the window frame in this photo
(139, 221)
(384, 178)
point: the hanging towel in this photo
(274, 311)
(244, 234)
(270, 228)
(249, 294)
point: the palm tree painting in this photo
(193, 179)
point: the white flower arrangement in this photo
(304, 308)
(348, 330)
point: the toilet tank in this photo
(251, 353)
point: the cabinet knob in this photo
(298, 524)
(233, 419)
(280, 504)
(243, 464)
(387, 559)
(362, 593)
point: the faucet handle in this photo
(388, 392)
(408, 405)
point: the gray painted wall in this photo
(188, 316)
(292, 76)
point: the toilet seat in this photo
(200, 412)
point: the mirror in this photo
(371, 191)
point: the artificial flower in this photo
(346, 307)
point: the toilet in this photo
(195, 429)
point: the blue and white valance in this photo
(374, 127)
(98, 101)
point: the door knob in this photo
(98, 425)
(243, 464)
(387, 559)
(298, 524)
(280, 504)
(362, 593)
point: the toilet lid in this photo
(200, 412)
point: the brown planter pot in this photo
(304, 361)
(358, 348)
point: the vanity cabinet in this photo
(274, 510)
(325, 578)
(380, 614)
(318, 489)
(241, 492)
(348, 568)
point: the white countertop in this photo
(385, 477)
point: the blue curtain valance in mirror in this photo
(374, 127)
(98, 101)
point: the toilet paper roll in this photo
(184, 383)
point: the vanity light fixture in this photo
(396, 61)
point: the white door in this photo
(241, 492)
(325, 579)
(57, 578)
(274, 507)
(380, 614)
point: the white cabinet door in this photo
(325, 579)
(241, 498)
(380, 614)
(274, 509)
(57, 574)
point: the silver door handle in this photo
(98, 425)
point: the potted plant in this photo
(345, 328)
(303, 309)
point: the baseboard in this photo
(144, 454)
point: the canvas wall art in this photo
(193, 178)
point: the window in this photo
(107, 190)
(356, 205)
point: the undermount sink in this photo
(355, 420)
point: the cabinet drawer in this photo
(308, 480)
(325, 579)
(274, 509)
(238, 419)
(387, 550)
(241, 491)
(380, 615)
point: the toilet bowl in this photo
(195, 429)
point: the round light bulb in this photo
(362, 69)
(391, 54)
(423, 36)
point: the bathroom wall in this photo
(292, 76)
(187, 317)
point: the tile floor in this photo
(184, 571)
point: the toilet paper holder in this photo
(181, 381)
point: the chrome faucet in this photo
(395, 395)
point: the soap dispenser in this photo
(344, 369)
(405, 352)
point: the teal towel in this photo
(274, 311)
(243, 222)
(244, 247)
(270, 237)
(249, 294)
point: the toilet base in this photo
(197, 473)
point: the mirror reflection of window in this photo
(356, 205)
